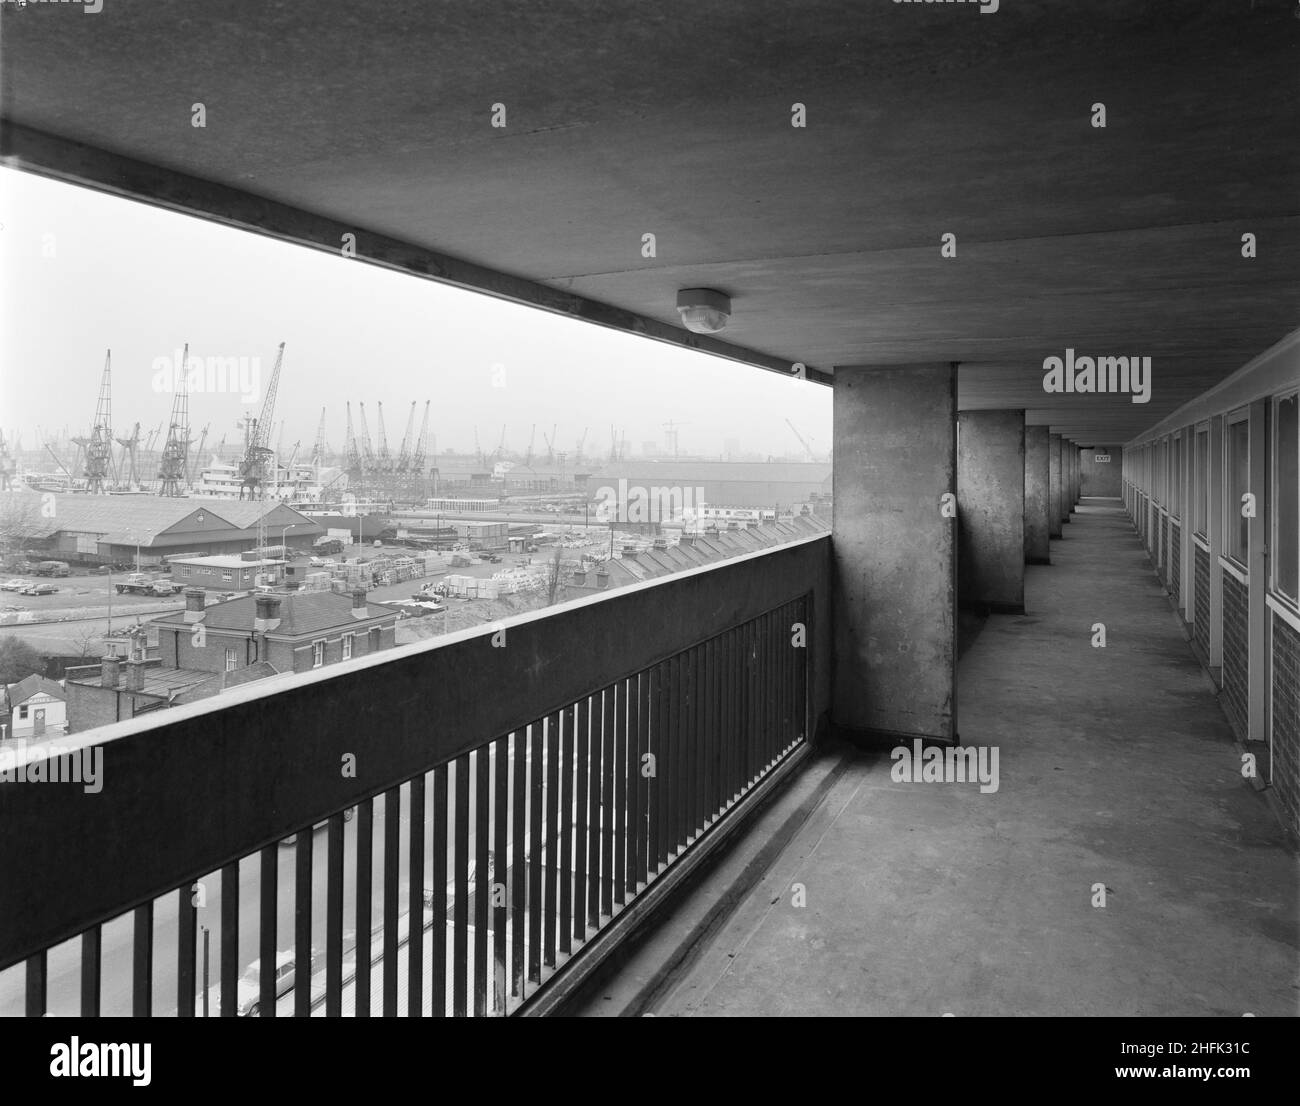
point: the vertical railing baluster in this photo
(595, 746)
(482, 880)
(536, 806)
(187, 922)
(501, 864)
(460, 904)
(519, 861)
(438, 975)
(609, 712)
(582, 831)
(334, 844)
(391, 892)
(700, 742)
(565, 857)
(551, 914)
(302, 967)
(268, 893)
(230, 940)
(659, 786)
(37, 976)
(91, 976)
(618, 800)
(415, 900)
(142, 962)
(365, 890)
(637, 825)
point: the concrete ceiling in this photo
(674, 119)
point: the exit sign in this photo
(1102, 459)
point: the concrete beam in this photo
(1038, 496)
(63, 159)
(894, 549)
(991, 510)
(1054, 485)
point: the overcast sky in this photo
(142, 281)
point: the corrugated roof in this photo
(117, 517)
(693, 472)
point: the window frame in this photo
(1201, 481)
(1232, 507)
(318, 653)
(1275, 493)
(1176, 444)
(347, 646)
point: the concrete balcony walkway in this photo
(1116, 768)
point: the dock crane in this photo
(501, 445)
(550, 445)
(99, 446)
(415, 463)
(318, 454)
(173, 469)
(383, 460)
(253, 467)
(198, 453)
(806, 447)
(528, 457)
(577, 453)
(404, 451)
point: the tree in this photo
(17, 660)
(20, 520)
(555, 577)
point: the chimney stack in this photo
(195, 600)
(359, 609)
(602, 578)
(267, 616)
(580, 577)
(135, 675)
(111, 671)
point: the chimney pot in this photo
(134, 675)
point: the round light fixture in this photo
(703, 310)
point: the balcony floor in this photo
(1116, 767)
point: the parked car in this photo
(248, 987)
(11, 609)
(38, 589)
(52, 568)
(16, 584)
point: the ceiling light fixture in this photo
(703, 310)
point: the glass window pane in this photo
(1287, 504)
(1236, 525)
(1202, 481)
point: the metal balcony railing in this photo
(496, 810)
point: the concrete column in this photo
(991, 511)
(1054, 468)
(894, 548)
(1067, 480)
(1038, 497)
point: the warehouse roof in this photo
(117, 518)
(692, 472)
